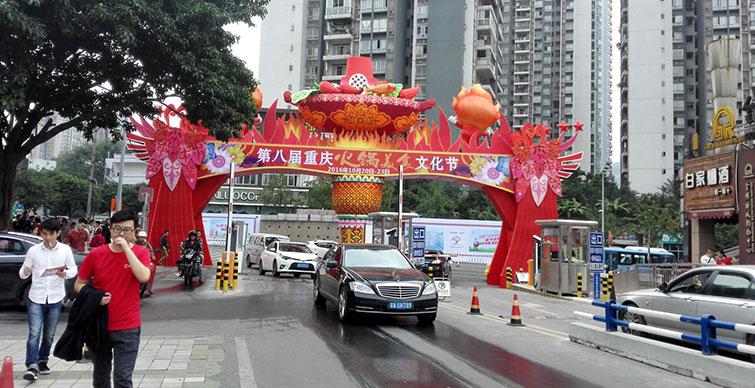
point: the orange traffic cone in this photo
(6, 374)
(475, 308)
(516, 319)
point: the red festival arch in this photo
(359, 133)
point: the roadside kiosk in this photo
(564, 253)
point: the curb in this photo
(528, 290)
(719, 370)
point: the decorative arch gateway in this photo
(360, 139)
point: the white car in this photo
(288, 257)
(321, 247)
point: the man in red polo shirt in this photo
(118, 269)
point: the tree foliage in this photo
(627, 212)
(278, 197)
(320, 194)
(77, 161)
(94, 63)
(439, 199)
(61, 194)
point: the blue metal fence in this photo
(708, 325)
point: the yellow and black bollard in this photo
(604, 284)
(235, 271)
(509, 278)
(219, 272)
(579, 285)
(226, 265)
(611, 294)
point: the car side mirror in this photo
(331, 264)
(663, 287)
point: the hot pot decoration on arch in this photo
(358, 133)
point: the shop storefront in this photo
(720, 189)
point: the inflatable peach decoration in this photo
(475, 111)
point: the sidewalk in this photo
(163, 361)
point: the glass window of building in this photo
(422, 11)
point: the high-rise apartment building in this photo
(556, 67)
(545, 61)
(666, 88)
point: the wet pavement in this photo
(268, 333)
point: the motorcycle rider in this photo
(193, 243)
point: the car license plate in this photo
(302, 265)
(400, 305)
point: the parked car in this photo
(727, 293)
(288, 257)
(374, 279)
(13, 247)
(256, 243)
(437, 264)
(321, 247)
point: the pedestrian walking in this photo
(97, 240)
(118, 268)
(164, 247)
(106, 231)
(78, 237)
(48, 263)
(707, 258)
(64, 229)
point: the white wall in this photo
(650, 95)
(275, 50)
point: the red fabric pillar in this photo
(528, 212)
(505, 206)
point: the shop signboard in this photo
(709, 183)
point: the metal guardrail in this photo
(708, 325)
(639, 276)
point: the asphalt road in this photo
(274, 336)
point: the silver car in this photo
(726, 292)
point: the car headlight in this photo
(284, 257)
(361, 288)
(429, 289)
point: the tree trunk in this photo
(9, 163)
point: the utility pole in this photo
(91, 175)
(119, 200)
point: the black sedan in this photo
(13, 247)
(374, 279)
(437, 264)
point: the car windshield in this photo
(290, 247)
(375, 258)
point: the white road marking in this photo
(246, 373)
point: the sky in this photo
(248, 49)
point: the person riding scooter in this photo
(194, 244)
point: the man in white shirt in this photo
(707, 258)
(48, 263)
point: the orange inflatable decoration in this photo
(475, 112)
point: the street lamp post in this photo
(603, 199)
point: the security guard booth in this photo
(565, 252)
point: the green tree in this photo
(58, 193)
(90, 64)
(278, 197)
(571, 208)
(320, 194)
(33, 189)
(77, 161)
(103, 194)
(653, 219)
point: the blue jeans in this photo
(43, 319)
(120, 356)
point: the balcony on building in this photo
(337, 53)
(484, 67)
(521, 90)
(368, 6)
(522, 59)
(335, 32)
(486, 18)
(332, 13)
(522, 26)
(521, 112)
